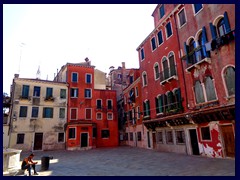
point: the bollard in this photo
(45, 162)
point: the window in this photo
(131, 136)
(23, 111)
(74, 92)
(153, 43)
(99, 116)
(160, 137)
(165, 68)
(25, 91)
(210, 89)
(109, 104)
(94, 134)
(170, 100)
(35, 112)
(20, 138)
(88, 78)
(63, 93)
(197, 8)
(136, 91)
(132, 98)
(60, 137)
(169, 137)
(159, 104)
(109, 116)
(131, 79)
(36, 91)
(168, 29)
(74, 77)
(49, 92)
(47, 112)
(105, 133)
(99, 104)
(146, 107)
(160, 37)
(73, 114)
(138, 112)
(142, 54)
(156, 71)
(205, 132)
(88, 93)
(172, 64)
(71, 134)
(161, 11)
(88, 113)
(139, 136)
(180, 137)
(181, 18)
(229, 78)
(126, 136)
(62, 113)
(199, 92)
(144, 76)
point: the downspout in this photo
(184, 81)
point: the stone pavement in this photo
(130, 161)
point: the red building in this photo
(208, 46)
(92, 115)
(187, 66)
(162, 82)
(135, 131)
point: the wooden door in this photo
(229, 140)
(38, 140)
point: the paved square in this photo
(131, 161)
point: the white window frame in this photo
(166, 30)
(198, 11)
(109, 114)
(72, 77)
(86, 78)
(97, 116)
(179, 25)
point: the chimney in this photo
(123, 65)
(16, 75)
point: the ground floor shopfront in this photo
(210, 133)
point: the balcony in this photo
(49, 98)
(197, 57)
(167, 75)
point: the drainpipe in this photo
(184, 81)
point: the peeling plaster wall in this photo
(213, 147)
(138, 128)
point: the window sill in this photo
(169, 79)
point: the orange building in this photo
(92, 116)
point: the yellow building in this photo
(38, 114)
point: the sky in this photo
(50, 35)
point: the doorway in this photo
(194, 141)
(148, 139)
(38, 140)
(229, 141)
(84, 139)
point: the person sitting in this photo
(28, 163)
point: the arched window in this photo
(210, 89)
(156, 71)
(191, 51)
(221, 29)
(199, 92)
(199, 53)
(172, 64)
(178, 98)
(170, 100)
(165, 68)
(144, 78)
(229, 78)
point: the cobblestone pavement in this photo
(130, 161)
